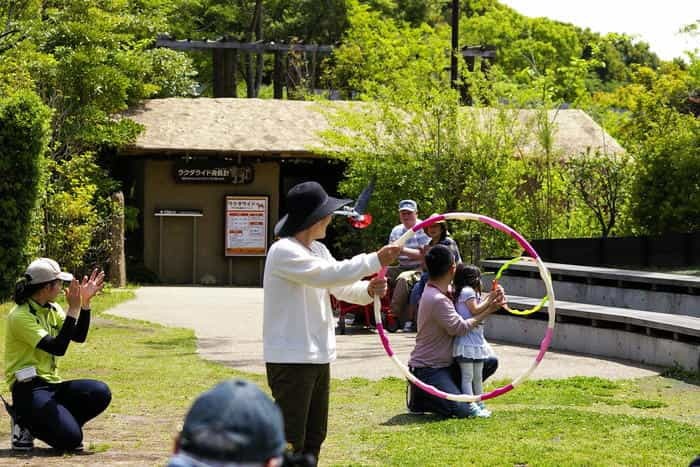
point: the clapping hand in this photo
(89, 287)
(73, 298)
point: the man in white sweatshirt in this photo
(298, 325)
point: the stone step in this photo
(640, 336)
(639, 290)
(677, 324)
(628, 277)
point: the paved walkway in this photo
(228, 325)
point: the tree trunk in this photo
(117, 263)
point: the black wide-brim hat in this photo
(307, 203)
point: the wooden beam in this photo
(483, 51)
(254, 47)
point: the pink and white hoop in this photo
(544, 344)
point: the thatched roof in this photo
(286, 128)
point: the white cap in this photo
(408, 205)
(46, 270)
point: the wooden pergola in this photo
(486, 55)
(225, 60)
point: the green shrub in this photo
(24, 132)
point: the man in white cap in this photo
(407, 273)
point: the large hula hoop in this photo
(544, 344)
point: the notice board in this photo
(246, 225)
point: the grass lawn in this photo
(155, 373)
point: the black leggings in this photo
(56, 413)
(302, 391)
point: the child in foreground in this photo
(471, 349)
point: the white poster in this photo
(246, 225)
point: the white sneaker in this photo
(483, 411)
(22, 439)
(408, 326)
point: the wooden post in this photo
(277, 77)
(312, 84)
(250, 75)
(194, 250)
(224, 72)
(217, 64)
(160, 248)
(259, 38)
(454, 77)
(117, 263)
(290, 81)
(234, 72)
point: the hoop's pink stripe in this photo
(496, 392)
(504, 228)
(545, 344)
(385, 340)
(428, 222)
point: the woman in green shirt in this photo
(38, 331)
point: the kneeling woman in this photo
(38, 331)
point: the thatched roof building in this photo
(201, 163)
(285, 128)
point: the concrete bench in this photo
(642, 336)
(622, 277)
(639, 290)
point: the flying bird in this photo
(357, 217)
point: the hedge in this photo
(24, 136)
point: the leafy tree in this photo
(665, 143)
(448, 158)
(602, 182)
(380, 55)
(88, 60)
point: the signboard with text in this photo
(213, 171)
(246, 225)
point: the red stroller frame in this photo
(390, 322)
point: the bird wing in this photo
(363, 199)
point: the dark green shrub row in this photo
(24, 133)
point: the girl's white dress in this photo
(472, 345)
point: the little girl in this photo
(471, 349)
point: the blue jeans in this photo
(417, 289)
(56, 413)
(447, 379)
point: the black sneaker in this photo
(22, 439)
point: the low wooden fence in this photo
(670, 250)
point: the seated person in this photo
(438, 322)
(439, 235)
(402, 277)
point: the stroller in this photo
(366, 313)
